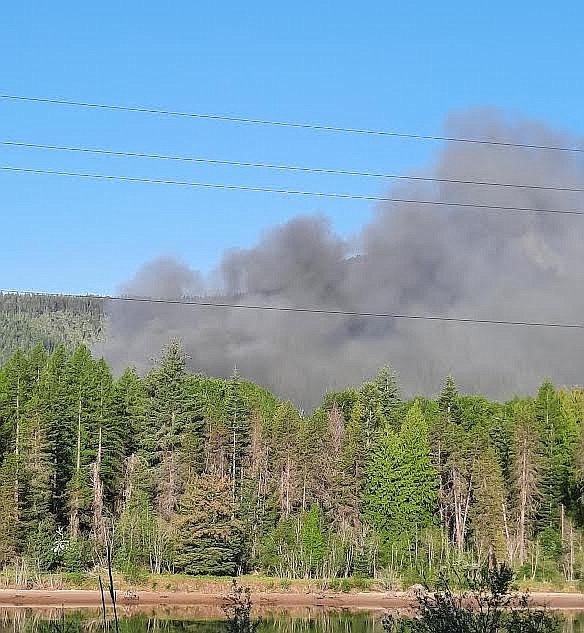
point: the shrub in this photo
(486, 605)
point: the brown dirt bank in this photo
(210, 603)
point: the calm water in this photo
(171, 621)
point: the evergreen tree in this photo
(488, 519)
(387, 384)
(401, 486)
(238, 423)
(172, 413)
(556, 451)
(209, 537)
(525, 473)
(448, 401)
(82, 426)
(9, 517)
(313, 546)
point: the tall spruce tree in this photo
(387, 384)
(209, 537)
(172, 413)
(238, 422)
(401, 481)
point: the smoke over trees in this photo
(412, 258)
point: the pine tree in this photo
(15, 390)
(374, 406)
(136, 527)
(352, 463)
(238, 423)
(312, 540)
(209, 537)
(37, 462)
(172, 413)
(9, 516)
(554, 475)
(53, 404)
(387, 384)
(81, 396)
(401, 482)
(525, 473)
(448, 401)
(487, 516)
(284, 451)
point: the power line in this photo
(289, 124)
(282, 167)
(305, 310)
(291, 192)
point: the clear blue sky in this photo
(384, 64)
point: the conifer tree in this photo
(555, 452)
(448, 401)
(488, 519)
(81, 397)
(284, 450)
(209, 537)
(401, 482)
(171, 413)
(312, 539)
(238, 423)
(352, 463)
(387, 384)
(53, 405)
(37, 462)
(525, 473)
(9, 516)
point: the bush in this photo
(41, 550)
(133, 574)
(488, 605)
(74, 556)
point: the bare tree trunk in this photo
(98, 522)
(75, 501)
(17, 445)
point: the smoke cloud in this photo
(413, 259)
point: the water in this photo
(200, 621)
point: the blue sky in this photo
(378, 65)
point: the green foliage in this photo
(216, 476)
(209, 536)
(487, 604)
(401, 494)
(313, 547)
(237, 607)
(27, 320)
(41, 548)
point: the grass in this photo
(9, 579)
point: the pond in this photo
(198, 621)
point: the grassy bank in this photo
(25, 579)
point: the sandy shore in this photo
(263, 601)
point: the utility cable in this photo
(282, 167)
(292, 192)
(304, 310)
(289, 124)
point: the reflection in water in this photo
(188, 620)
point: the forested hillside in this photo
(209, 476)
(27, 319)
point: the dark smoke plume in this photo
(412, 259)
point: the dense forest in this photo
(185, 473)
(53, 320)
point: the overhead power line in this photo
(288, 124)
(304, 310)
(291, 192)
(282, 167)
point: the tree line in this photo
(191, 474)
(53, 320)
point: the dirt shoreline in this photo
(264, 601)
